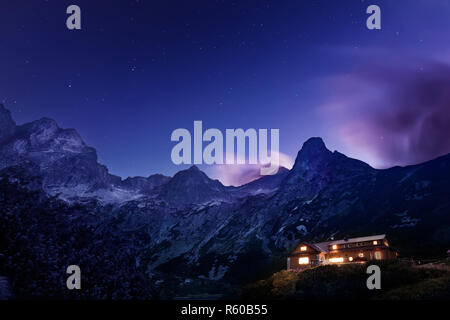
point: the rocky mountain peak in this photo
(192, 186)
(191, 176)
(314, 142)
(194, 168)
(316, 168)
(313, 147)
(312, 152)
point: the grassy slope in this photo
(399, 280)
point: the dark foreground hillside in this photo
(40, 237)
(399, 281)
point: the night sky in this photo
(140, 69)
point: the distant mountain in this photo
(189, 232)
(192, 186)
(145, 185)
(70, 168)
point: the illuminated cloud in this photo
(392, 115)
(236, 175)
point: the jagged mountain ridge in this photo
(71, 170)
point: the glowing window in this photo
(350, 258)
(375, 242)
(334, 247)
(361, 255)
(336, 260)
(304, 260)
(377, 255)
(303, 248)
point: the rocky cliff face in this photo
(192, 228)
(61, 156)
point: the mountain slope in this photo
(265, 184)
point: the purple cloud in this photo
(240, 174)
(392, 115)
